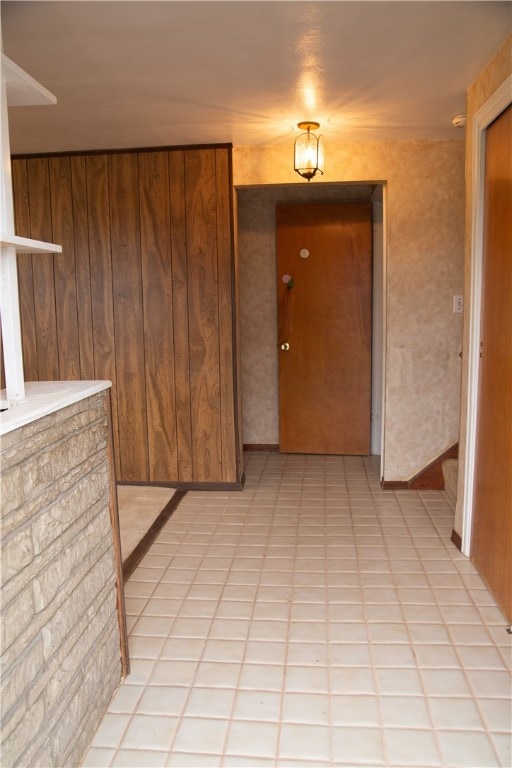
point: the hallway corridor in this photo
(310, 620)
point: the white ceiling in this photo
(140, 74)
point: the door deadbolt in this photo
(285, 346)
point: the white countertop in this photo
(44, 397)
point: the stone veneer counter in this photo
(60, 647)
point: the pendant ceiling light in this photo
(309, 151)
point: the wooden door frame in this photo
(493, 107)
(380, 205)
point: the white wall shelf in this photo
(19, 89)
(26, 245)
(22, 89)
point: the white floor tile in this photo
(162, 700)
(197, 734)
(358, 746)
(355, 710)
(463, 749)
(257, 705)
(150, 732)
(306, 708)
(455, 713)
(404, 712)
(307, 742)
(252, 739)
(409, 747)
(210, 702)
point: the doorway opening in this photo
(256, 236)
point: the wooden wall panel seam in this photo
(181, 328)
(128, 313)
(204, 315)
(156, 266)
(82, 267)
(225, 304)
(64, 268)
(99, 243)
(25, 271)
(43, 271)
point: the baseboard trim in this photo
(192, 486)
(456, 540)
(134, 558)
(211, 486)
(428, 479)
(261, 447)
(394, 485)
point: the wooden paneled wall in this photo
(143, 295)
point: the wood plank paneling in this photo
(128, 314)
(226, 297)
(183, 417)
(157, 282)
(98, 218)
(143, 295)
(66, 305)
(25, 274)
(201, 205)
(82, 267)
(42, 270)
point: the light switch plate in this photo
(458, 305)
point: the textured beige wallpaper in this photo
(481, 90)
(425, 249)
(258, 321)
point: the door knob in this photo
(285, 346)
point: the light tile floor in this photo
(310, 620)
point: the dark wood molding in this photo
(456, 540)
(261, 447)
(210, 486)
(191, 486)
(394, 485)
(134, 558)
(428, 479)
(153, 484)
(117, 151)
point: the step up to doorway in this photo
(451, 476)
(431, 478)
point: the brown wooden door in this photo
(491, 539)
(324, 286)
